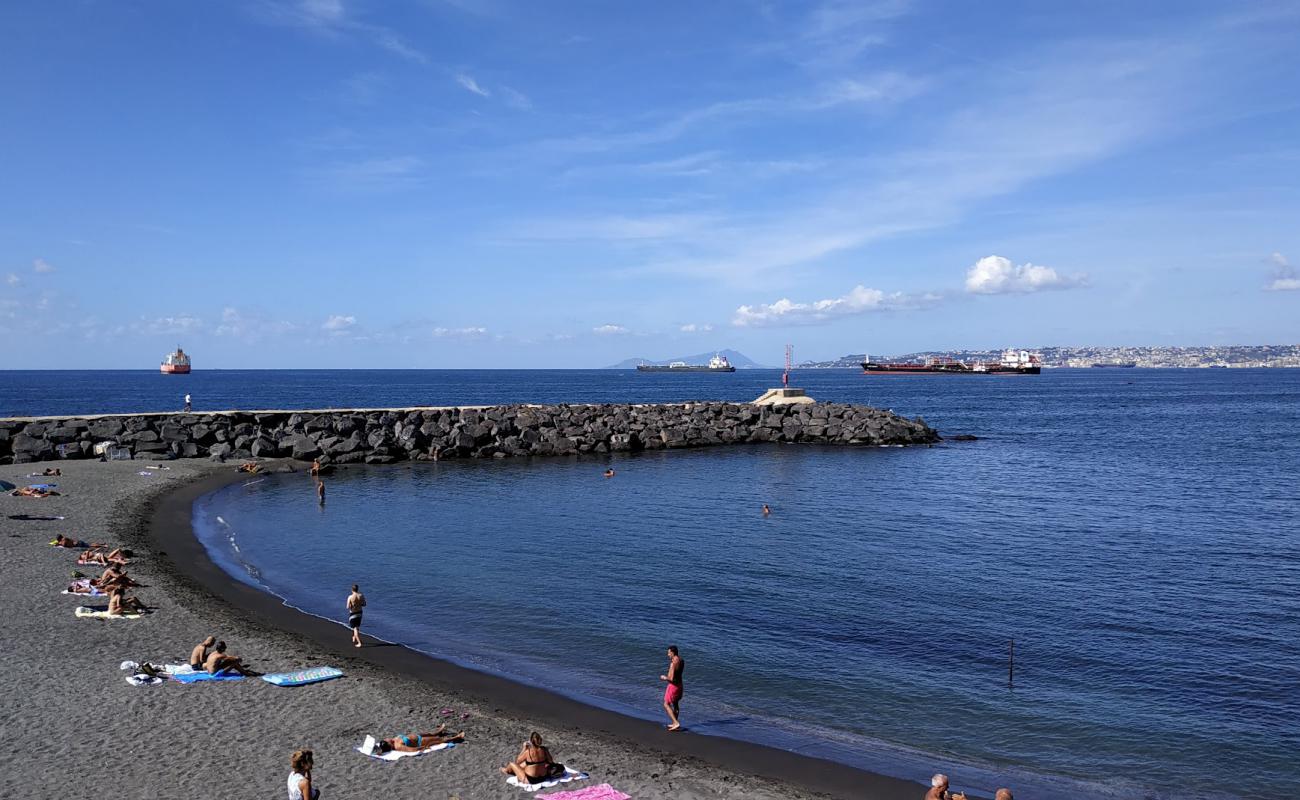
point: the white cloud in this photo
(250, 326)
(470, 85)
(472, 332)
(12, 279)
(860, 300)
(516, 99)
(609, 330)
(325, 12)
(1285, 278)
(997, 275)
(371, 173)
(43, 266)
(181, 323)
(691, 327)
(339, 323)
(330, 19)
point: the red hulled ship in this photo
(176, 363)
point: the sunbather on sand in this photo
(113, 576)
(76, 544)
(250, 467)
(199, 655)
(34, 491)
(82, 586)
(415, 742)
(219, 662)
(119, 603)
(117, 557)
(534, 763)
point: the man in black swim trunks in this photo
(356, 604)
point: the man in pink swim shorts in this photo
(673, 694)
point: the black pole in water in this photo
(1011, 661)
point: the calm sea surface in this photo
(1134, 531)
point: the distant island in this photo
(738, 360)
(1264, 355)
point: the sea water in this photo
(1133, 531)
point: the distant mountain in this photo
(737, 359)
(1266, 355)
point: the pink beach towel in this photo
(601, 792)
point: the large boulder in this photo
(30, 448)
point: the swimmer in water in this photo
(766, 510)
(609, 473)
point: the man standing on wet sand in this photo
(673, 694)
(356, 602)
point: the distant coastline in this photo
(1236, 356)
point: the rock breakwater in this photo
(382, 436)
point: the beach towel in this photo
(140, 679)
(602, 792)
(144, 680)
(303, 677)
(101, 612)
(367, 749)
(570, 774)
(145, 473)
(204, 677)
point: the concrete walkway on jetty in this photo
(382, 436)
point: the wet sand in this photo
(75, 726)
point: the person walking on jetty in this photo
(300, 788)
(673, 693)
(356, 603)
(187, 402)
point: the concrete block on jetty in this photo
(382, 436)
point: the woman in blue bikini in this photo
(415, 742)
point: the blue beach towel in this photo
(203, 677)
(303, 677)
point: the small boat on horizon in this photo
(177, 363)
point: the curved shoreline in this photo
(169, 527)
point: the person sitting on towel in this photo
(119, 602)
(415, 742)
(534, 763)
(249, 466)
(199, 655)
(113, 576)
(52, 472)
(218, 662)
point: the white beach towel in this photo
(367, 749)
(170, 669)
(570, 774)
(102, 613)
(143, 680)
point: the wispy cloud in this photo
(370, 173)
(468, 83)
(997, 275)
(692, 327)
(178, 324)
(1285, 277)
(251, 326)
(334, 19)
(40, 265)
(859, 300)
(472, 332)
(13, 280)
(609, 330)
(339, 323)
(516, 99)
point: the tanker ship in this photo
(718, 363)
(1013, 362)
(176, 363)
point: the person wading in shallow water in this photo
(356, 603)
(673, 694)
(320, 492)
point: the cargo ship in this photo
(1013, 362)
(176, 363)
(1116, 364)
(718, 363)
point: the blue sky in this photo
(455, 183)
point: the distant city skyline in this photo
(475, 183)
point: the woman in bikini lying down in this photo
(75, 544)
(118, 557)
(534, 763)
(415, 742)
(35, 491)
